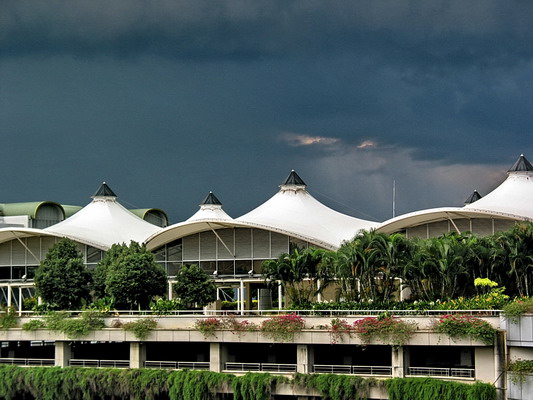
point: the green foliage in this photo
(384, 328)
(141, 328)
(336, 387)
(428, 388)
(514, 310)
(33, 325)
(460, 326)
(197, 385)
(193, 287)
(73, 328)
(299, 273)
(282, 328)
(165, 307)
(130, 275)
(338, 329)
(208, 326)
(62, 279)
(255, 386)
(519, 369)
(103, 304)
(8, 318)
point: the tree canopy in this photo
(129, 275)
(193, 286)
(62, 279)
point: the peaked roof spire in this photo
(104, 191)
(475, 196)
(211, 199)
(294, 179)
(521, 165)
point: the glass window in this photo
(208, 266)
(174, 250)
(225, 268)
(242, 267)
(94, 255)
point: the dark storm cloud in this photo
(167, 100)
(432, 33)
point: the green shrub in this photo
(8, 318)
(384, 328)
(208, 326)
(519, 369)
(336, 387)
(282, 328)
(34, 325)
(165, 307)
(514, 310)
(428, 388)
(141, 328)
(460, 326)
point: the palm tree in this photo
(299, 273)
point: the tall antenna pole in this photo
(393, 198)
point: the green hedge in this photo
(429, 389)
(52, 383)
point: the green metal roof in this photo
(29, 209)
(70, 210)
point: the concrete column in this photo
(280, 296)
(500, 358)
(20, 301)
(241, 296)
(63, 353)
(137, 354)
(217, 357)
(319, 295)
(304, 359)
(9, 295)
(398, 361)
(170, 291)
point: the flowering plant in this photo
(456, 326)
(282, 327)
(235, 326)
(208, 326)
(385, 328)
(337, 330)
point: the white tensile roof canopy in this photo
(104, 222)
(293, 209)
(513, 199)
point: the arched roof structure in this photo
(512, 200)
(292, 211)
(103, 222)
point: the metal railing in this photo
(352, 369)
(176, 365)
(41, 362)
(443, 372)
(259, 313)
(99, 363)
(266, 367)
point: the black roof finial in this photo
(294, 179)
(475, 196)
(104, 190)
(521, 165)
(211, 199)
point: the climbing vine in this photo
(427, 388)
(336, 387)
(51, 383)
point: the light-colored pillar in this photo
(241, 296)
(304, 359)
(217, 357)
(63, 353)
(319, 295)
(500, 358)
(137, 354)
(170, 291)
(8, 296)
(398, 361)
(280, 297)
(20, 301)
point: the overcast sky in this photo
(167, 100)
